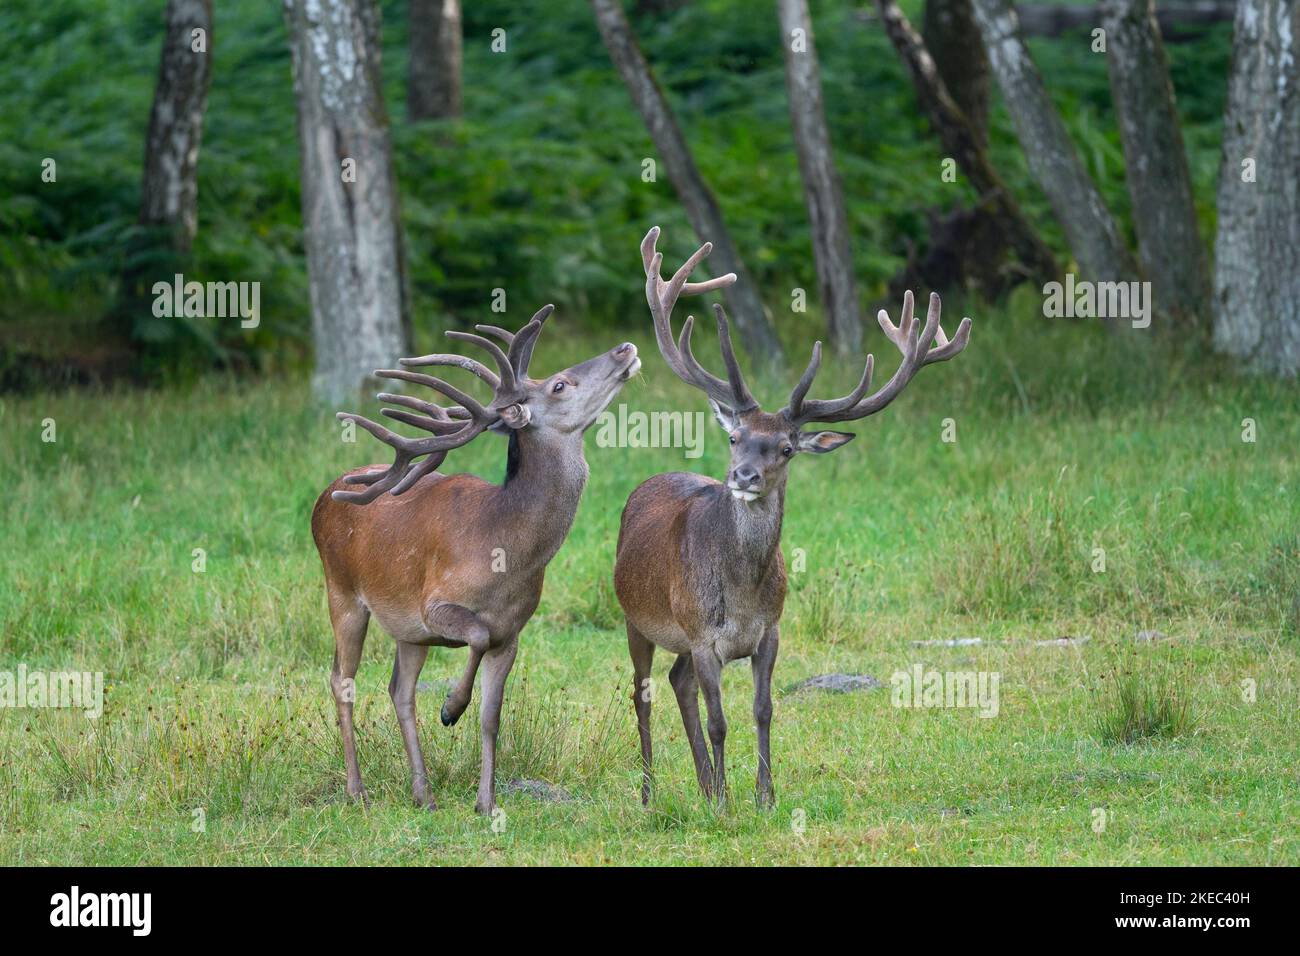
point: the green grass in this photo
(1068, 440)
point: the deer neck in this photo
(753, 530)
(545, 475)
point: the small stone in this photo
(538, 790)
(1143, 636)
(1063, 641)
(837, 683)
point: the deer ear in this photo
(515, 416)
(727, 418)
(822, 442)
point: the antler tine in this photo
(526, 350)
(435, 412)
(508, 383)
(456, 395)
(797, 394)
(456, 361)
(917, 353)
(520, 345)
(422, 421)
(712, 386)
(505, 335)
(743, 399)
(662, 296)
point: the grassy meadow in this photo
(218, 743)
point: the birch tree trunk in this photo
(832, 250)
(1169, 247)
(949, 31)
(170, 192)
(1257, 249)
(433, 89)
(743, 300)
(349, 198)
(1092, 232)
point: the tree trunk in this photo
(1169, 246)
(960, 140)
(832, 250)
(349, 198)
(702, 210)
(1257, 249)
(948, 28)
(433, 82)
(1092, 232)
(170, 191)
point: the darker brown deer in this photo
(453, 560)
(699, 570)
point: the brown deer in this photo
(699, 570)
(453, 560)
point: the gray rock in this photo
(441, 686)
(837, 683)
(1063, 641)
(538, 790)
(955, 642)
(1143, 636)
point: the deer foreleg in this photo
(460, 626)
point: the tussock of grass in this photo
(1141, 705)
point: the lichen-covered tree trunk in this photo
(1257, 248)
(743, 300)
(349, 198)
(1054, 162)
(1169, 246)
(832, 248)
(949, 31)
(170, 192)
(433, 88)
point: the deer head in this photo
(763, 443)
(565, 403)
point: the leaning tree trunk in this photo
(433, 81)
(170, 192)
(962, 141)
(349, 198)
(1169, 246)
(948, 28)
(1091, 230)
(821, 186)
(742, 296)
(1257, 249)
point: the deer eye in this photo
(788, 450)
(557, 388)
(733, 439)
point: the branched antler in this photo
(917, 353)
(453, 426)
(662, 296)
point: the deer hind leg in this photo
(687, 689)
(708, 671)
(463, 627)
(496, 668)
(762, 662)
(407, 664)
(643, 655)
(350, 620)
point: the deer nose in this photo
(623, 349)
(746, 475)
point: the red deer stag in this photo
(452, 560)
(699, 570)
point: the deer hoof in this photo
(447, 717)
